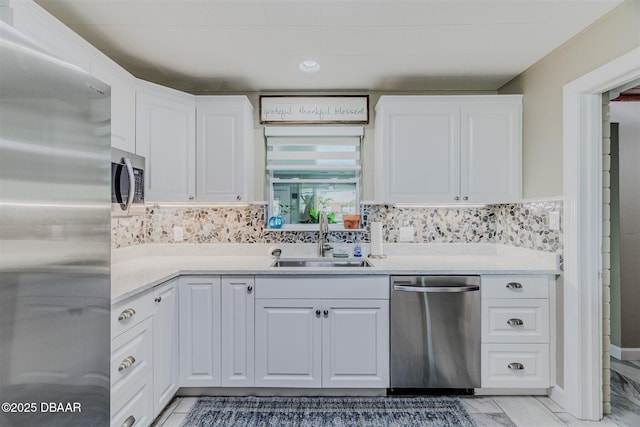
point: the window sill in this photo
(311, 228)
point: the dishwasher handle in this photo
(438, 289)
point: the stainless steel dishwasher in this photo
(435, 334)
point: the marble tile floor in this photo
(625, 392)
(493, 411)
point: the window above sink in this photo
(312, 169)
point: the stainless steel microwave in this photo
(127, 183)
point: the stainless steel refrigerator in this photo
(54, 239)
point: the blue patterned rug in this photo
(328, 411)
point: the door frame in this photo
(582, 166)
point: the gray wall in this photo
(612, 36)
(627, 114)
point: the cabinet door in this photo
(420, 151)
(237, 331)
(288, 343)
(355, 343)
(224, 136)
(199, 313)
(165, 135)
(165, 344)
(491, 159)
(123, 102)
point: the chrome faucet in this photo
(322, 234)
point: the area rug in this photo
(328, 411)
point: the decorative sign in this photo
(314, 109)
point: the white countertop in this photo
(136, 269)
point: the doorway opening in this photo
(582, 394)
(621, 245)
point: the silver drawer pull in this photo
(126, 363)
(514, 285)
(515, 366)
(129, 312)
(129, 421)
(515, 322)
(249, 289)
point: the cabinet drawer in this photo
(134, 407)
(131, 356)
(128, 313)
(515, 320)
(515, 365)
(515, 286)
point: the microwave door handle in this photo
(132, 182)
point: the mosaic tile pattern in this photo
(206, 224)
(129, 231)
(521, 225)
(433, 225)
(524, 225)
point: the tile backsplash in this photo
(525, 225)
(519, 224)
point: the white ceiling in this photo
(380, 45)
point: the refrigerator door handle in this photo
(132, 183)
(421, 289)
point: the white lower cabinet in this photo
(517, 331)
(288, 343)
(135, 406)
(132, 401)
(337, 340)
(355, 343)
(238, 331)
(131, 356)
(199, 323)
(165, 345)
(515, 365)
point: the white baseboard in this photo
(624, 353)
(556, 394)
(511, 391)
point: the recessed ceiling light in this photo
(309, 66)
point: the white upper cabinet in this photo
(197, 148)
(448, 149)
(224, 149)
(491, 149)
(34, 22)
(165, 135)
(123, 102)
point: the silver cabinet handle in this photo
(318, 312)
(249, 289)
(515, 366)
(514, 285)
(515, 322)
(326, 313)
(126, 363)
(131, 420)
(465, 198)
(158, 299)
(422, 289)
(456, 198)
(129, 312)
(191, 197)
(238, 197)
